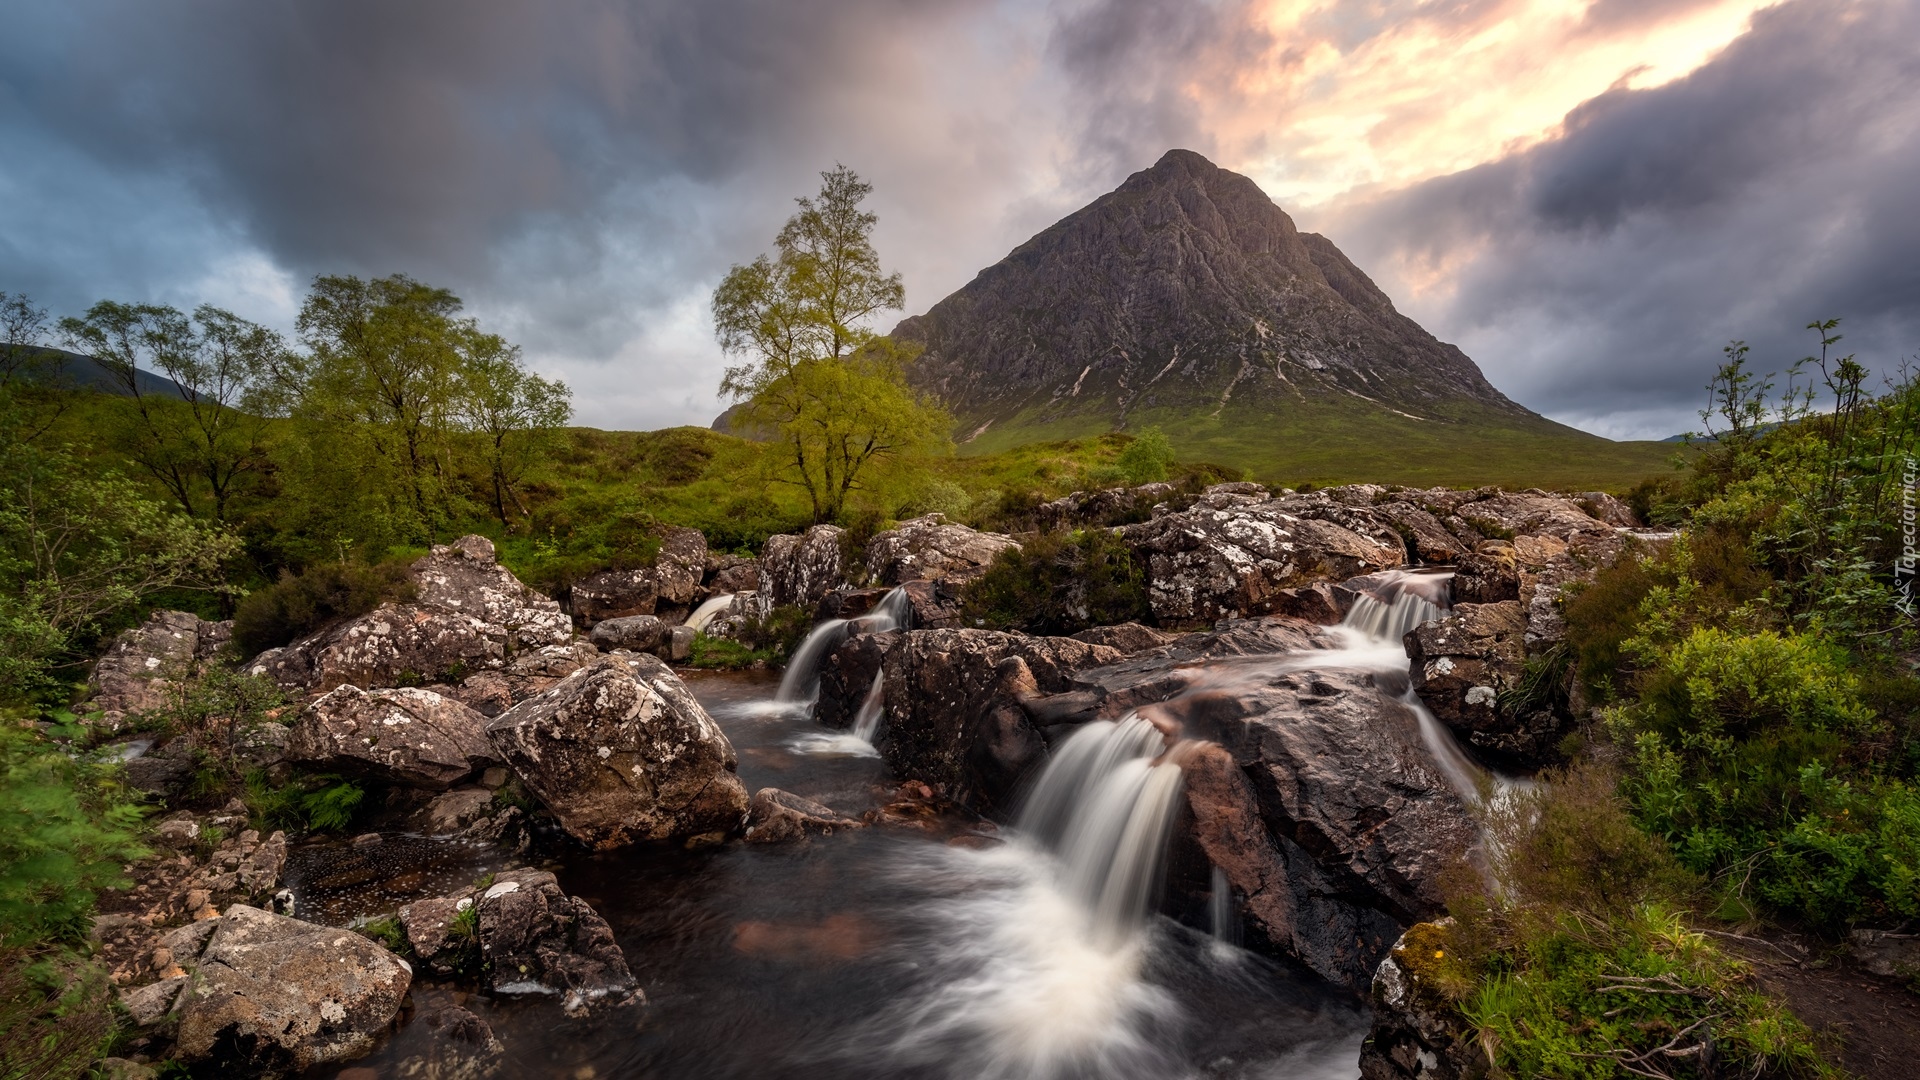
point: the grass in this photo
(1338, 442)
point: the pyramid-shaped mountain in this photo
(1187, 299)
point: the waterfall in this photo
(1224, 920)
(1397, 603)
(800, 685)
(866, 722)
(1104, 806)
(706, 612)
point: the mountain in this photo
(79, 371)
(1185, 298)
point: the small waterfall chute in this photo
(873, 708)
(708, 611)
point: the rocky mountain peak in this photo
(1184, 292)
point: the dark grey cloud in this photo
(1596, 275)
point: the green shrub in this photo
(56, 1015)
(1059, 583)
(322, 803)
(1147, 459)
(67, 826)
(299, 604)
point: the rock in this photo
(273, 994)
(140, 669)
(745, 609)
(846, 677)
(1887, 954)
(1416, 1034)
(455, 810)
(1107, 507)
(1318, 603)
(1489, 574)
(1605, 507)
(1463, 663)
(1338, 826)
(800, 569)
(776, 816)
(263, 745)
(411, 737)
(940, 690)
(621, 752)
(639, 633)
(428, 925)
(612, 594)
(163, 772)
(148, 1005)
(1505, 515)
(469, 615)
(115, 1068)
(731, 574)
(535, 938)
(179, 831)
(1209, 563)
(680, 644)
(1127, 638)
(931, 548)
(681, 565)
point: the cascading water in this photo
(1223, 920)
(706, 612)
(800, 685)
(866, 722)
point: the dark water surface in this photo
(875, 953)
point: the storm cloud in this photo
(583, 171)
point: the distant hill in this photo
(1186, 299)
(83, 372)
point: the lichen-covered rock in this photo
(1209, 563)
(1607, 508)
(1128, 638)
(529, 937)
(671, 584)
(744, 609)
(1489, 574)
(410, 736)
(731, 574)
(275, 995)
(639, 633)
(1108, 506)
(1416, 1034)
(931, 548)
(776, 817)
(1504, 515)
(1463, 664)
(620, 752)
(469, 614)
(142, 666)
(800, 569)
(491, 693)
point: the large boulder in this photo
(410, 736)
(672, 584)
(1489, 574)
(140, 670)
(1504, 515)
(273, 995)
(1320, 799)
(638, 633)
(621, 752)
(529, 937)
(931, 548)
(800, 569)
(1228, 557)
(947, 696)
(493, 692)
(469, 614)
(1462, 666)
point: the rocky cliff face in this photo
(1184, 289)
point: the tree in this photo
(385, 369)
(512, 409)
(831, 393)
(31, 397)
(203, 442)
(1148, 458)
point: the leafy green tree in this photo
(1148, 458)
(831, 393)
(209, 440)
(31, 383)
(513, 410)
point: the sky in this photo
(1590, 197)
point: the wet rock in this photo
(143, 665)
(1350, 823)
(800, 569)
(931, 548)
(639, 633)
(940, 688)
(534, 938)
(1463, 663)
(776, 817)
(1211, 563)
(1416, 1034)
(1319, 603)
(273, 994)
(469, 614)
(621, 752)
(410, 737)
(1127, 638)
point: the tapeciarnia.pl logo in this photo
(1903, 568)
